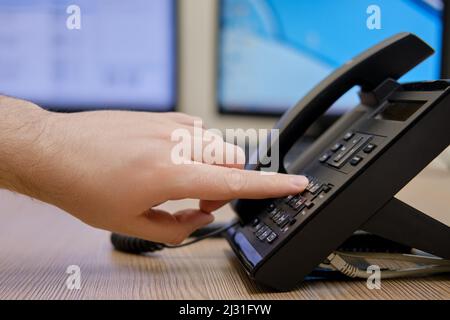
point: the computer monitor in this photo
(122, 57)
(272, 52)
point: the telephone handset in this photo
(355, 169)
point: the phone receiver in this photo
(390, 59)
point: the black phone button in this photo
(299, 203)
(348, 136)
(369, 148)
(336, 147)
(259, 226)
(261, 231)
(265, 234)
(255, 222)
(315, 188)
(289, 199)
(324, 158)
(273, 212)
(356, 160)
(277, 216)
(281, 220)
(309, 204)
(272, 237)
(284, 224)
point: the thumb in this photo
(193, 219)
(161, 226)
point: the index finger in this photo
(209, 182)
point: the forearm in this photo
(22, 131)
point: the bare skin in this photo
(111, 168)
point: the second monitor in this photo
(271, 53)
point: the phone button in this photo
(356, 160)
(265, 234)
(299, 204)
(369, 148)
(273, 212)
(348, 136)
(309, 204)
(336, 147)
(272, 237)
(277, 216)
(282, 220)
(324, 158)
(261, 230)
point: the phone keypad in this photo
(283, 213)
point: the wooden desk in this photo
(38, 243)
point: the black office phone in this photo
(355, 168)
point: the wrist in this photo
(23, 145)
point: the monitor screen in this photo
(103, 54)
(272, 52)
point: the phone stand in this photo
(404, 224)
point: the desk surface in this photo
(38, 243)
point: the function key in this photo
(281, 220)
(261, 230)
(309, 204)
(327, 188)
(336, 147)
(272, 237)
(277, 216)
(356, 160)
(324, 158)
(273, 212)
(297, 205)
(258, 226)
(315, 188)
(288, 199)
(265, 234)
(271, 207)
(369, 148)
(310, 185)
(348, 136)
(284, 223)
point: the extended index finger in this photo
(209, 182)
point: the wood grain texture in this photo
(38, 242)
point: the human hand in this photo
(111, 168)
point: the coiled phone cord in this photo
(138, 246)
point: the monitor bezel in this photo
(327, 119)
(136, 107)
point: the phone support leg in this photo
(404, 224)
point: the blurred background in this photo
(235, 63)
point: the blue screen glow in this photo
(272, 52)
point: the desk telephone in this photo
(355, 168)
